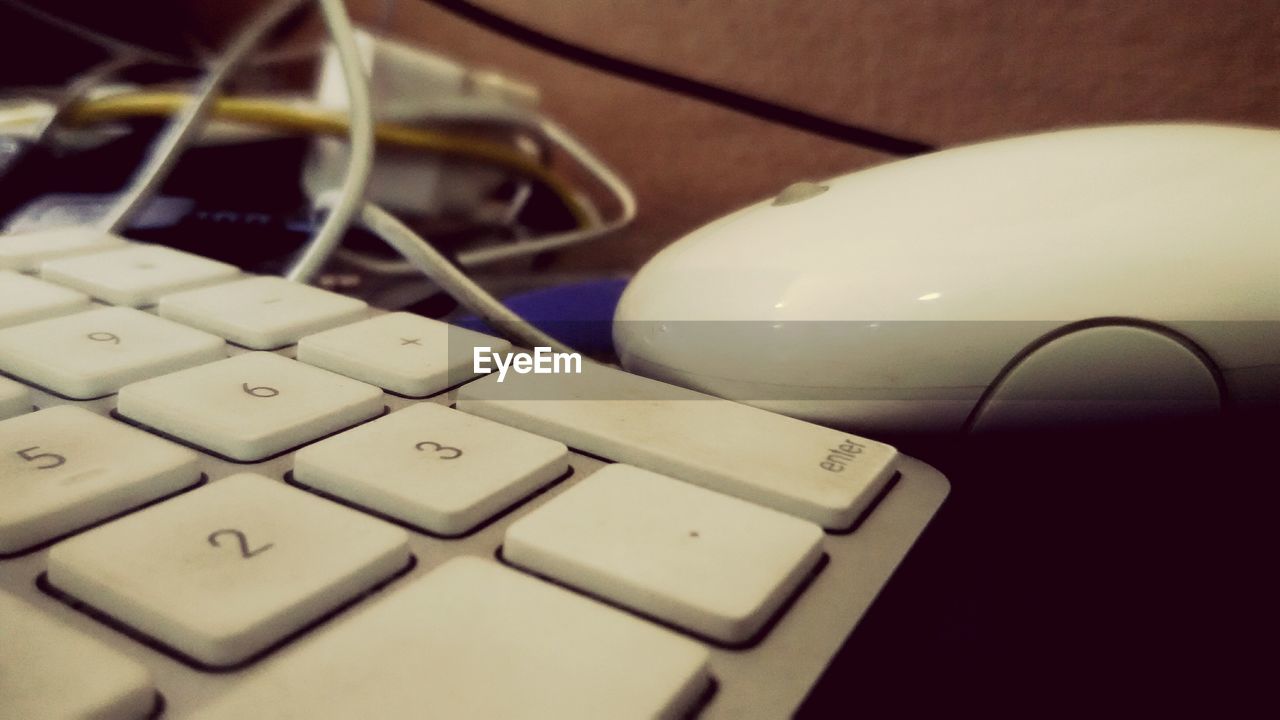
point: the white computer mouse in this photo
(1074, 276)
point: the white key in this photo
(15, 398)
(24, 299)
(48, 670)
(401, 352)
(716, 565)
(251, 406)
(262, 313)
(136, 276)
(473, 639)
(96, 352)
(224, 572)
(432, 467)
(26, 250)
(807, 470)
(64, 468)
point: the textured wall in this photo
(947, 71)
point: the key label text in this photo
(839, 456)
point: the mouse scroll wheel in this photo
(799, 192)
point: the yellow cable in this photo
(288, 117)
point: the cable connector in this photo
(409, 85)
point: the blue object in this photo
(579, 315)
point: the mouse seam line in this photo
(1215, 372)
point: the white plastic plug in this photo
(409, 86)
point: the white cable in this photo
(553, 134)
(377, 265)
(360, 158)
(508, 115)
(452, 280)
(605, 175)
(163, 154)
(381, 266)
(519, 199)
(76, 89)
(509, 218)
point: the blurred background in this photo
(941, 71)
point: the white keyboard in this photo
(226, 496)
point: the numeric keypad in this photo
(48, 670)
(224, 572)
(25, 251)
(432, 467)
(404, 353)
(136, 276)
(65, 467)
(15, 398)
(251, 406)
(714, 564)
(472, 639)
(262, 313)
(95, 353)
(24, 299)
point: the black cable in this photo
(724, 97)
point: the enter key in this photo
(806, 470)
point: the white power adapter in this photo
(409, 86)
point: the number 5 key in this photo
(64, 468)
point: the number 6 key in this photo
(252, 406)
(223, 573)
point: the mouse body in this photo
(1061, 277)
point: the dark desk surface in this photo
(1098, 572)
